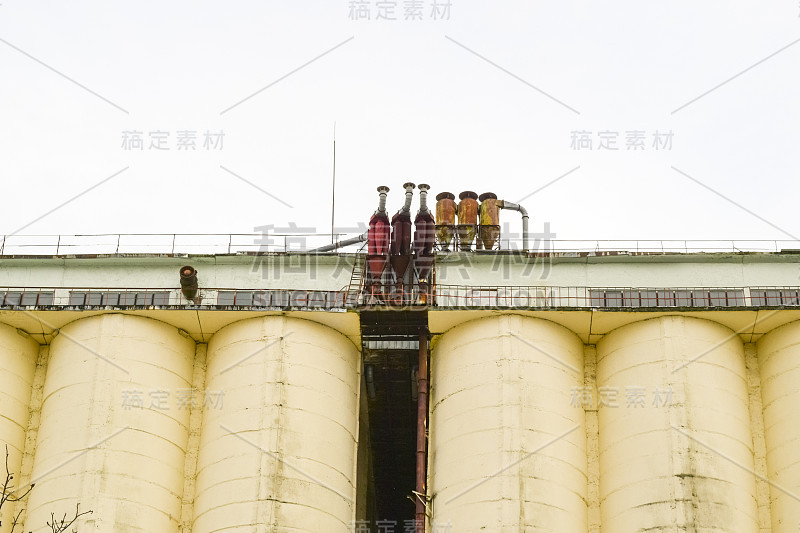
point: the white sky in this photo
(412, 102)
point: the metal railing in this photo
(551, 298)
(216, 298)
(400, 296)
(228, 243)
(162, 243)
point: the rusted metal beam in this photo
(422, 424)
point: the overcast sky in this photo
(493, 96)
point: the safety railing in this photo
(91, 297)
(586, 297)
(282, 240)
(539, 297)
(163, 243)
(541, 244)
(407, 295)
(394, 295)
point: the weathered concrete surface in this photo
(17, 364)
(508, 449)
(682, 461)
(779, 362)
(126, 463)
(281, 454)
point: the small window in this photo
(630, 298)
(77, 298)
(636, 298)
(261, 299)
(766, 297)
(317, 299)
(299, 299)
(718, 298)
(516, 297)
(683, 298)
(29, 298)
(144, 298)
(46, 298)
(243, 298)
(725, 298)
(226, 297)
(774, 297)
(791, 297)
(279, 298)
(336, 299)
(483, 298)
(602, 298)
(648, 298)
(700, 299)
(597, 298)
(665, 298)
(127, 298)
(160, 298)
(111, 298)
(735, 298)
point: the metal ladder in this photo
(356, 284)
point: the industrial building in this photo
(420, 377)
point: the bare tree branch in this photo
(56, 526)
(8, 489)
(62, 525)
(9, 496)
(15, 523)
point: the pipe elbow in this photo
(522, 211)
(504, 204)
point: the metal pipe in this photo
(409, 187)
(383, 191)
(340, 244)
(422, 424)
(503, 204)
(423, 197)
(369, 378)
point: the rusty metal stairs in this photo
(356, 285)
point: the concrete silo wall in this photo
(122, 460)
(508, 447)
(17, 364)
(280, 455)
(779, 363)
(682, 461)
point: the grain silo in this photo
(282, 449)
(676, 452)
(779, 362)
(508, 450)
(97, 442)
(18, 353)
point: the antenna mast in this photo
(333, 187)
